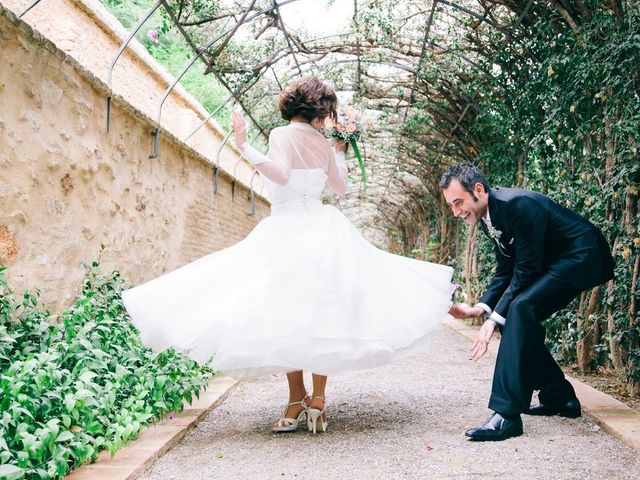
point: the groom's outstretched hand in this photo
(462, 310)
(480, 345)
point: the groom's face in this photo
(470, 207)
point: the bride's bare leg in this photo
(317, 419)
(297, 392)
(319, 385)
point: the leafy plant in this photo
(75, 383)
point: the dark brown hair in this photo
(467, 174)
(309, 97)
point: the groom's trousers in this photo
(524, 363)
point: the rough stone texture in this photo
(67, 186)
(8, 247)
(86, 32)
(403, 421)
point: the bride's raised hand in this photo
(339, 145)
(239, 125)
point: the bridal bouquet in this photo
(349, 129)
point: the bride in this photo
(304, 290)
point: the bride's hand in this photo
(339, 145)
(239, 126)
(462, 310)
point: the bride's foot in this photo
(293, 415)
(317, 418)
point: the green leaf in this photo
(69, 402)
(11, 472)
(65, 436)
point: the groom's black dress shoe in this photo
(570, 409)
(497, 428)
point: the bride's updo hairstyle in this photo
(309, 98)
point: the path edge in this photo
(156, 439)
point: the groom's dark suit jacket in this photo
(540, 237)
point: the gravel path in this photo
(402, 421)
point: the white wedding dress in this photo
(303, 291)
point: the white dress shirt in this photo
(496, 317)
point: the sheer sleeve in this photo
(337, 173)
(276, 164)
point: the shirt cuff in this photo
(496, 317)
(484, 307)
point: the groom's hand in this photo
(479, 347)
(462, 310)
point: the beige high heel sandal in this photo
(291, 424)
(316, 418)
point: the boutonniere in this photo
(494, 233)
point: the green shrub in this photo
(73, 384)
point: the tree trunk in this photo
(610, 141)
(630, 213)
(584, 347)
(614, 342)
(634, 385)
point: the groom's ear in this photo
(478, 188)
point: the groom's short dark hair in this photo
(467, 174)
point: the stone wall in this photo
(67, 186)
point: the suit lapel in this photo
(494, 214)
(496, 223)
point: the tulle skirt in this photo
(303, 291)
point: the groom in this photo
(546, 255)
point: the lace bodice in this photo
(298, 166)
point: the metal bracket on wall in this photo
(124, 44)
(216, 165)
(211, 115)
(193, 59)
(235, 167)
(252, 196)
(29, 7)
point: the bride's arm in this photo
(337, 169)
(276, 165)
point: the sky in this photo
(318, 17)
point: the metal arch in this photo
(124, 44)
(397, 66)
(423, 53)
(187, 38)
(169, 89)
(286, 35)
(234, 95)
(29, 7)
(235, 168)
(468, 104)
(252, 196)
(234, 180)
(209, 117)
(359, 66)
(197, 55)
(258, 75)
(216, 165)
(479, 17)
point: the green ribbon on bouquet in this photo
(358, 155)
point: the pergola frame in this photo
(322, 53)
